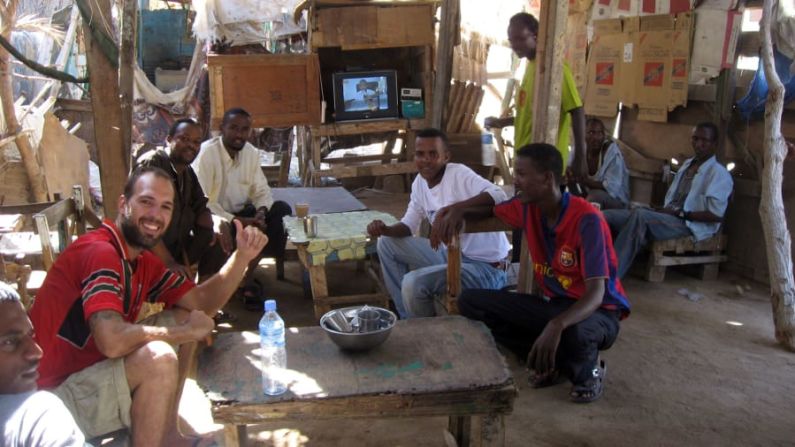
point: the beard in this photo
(134, 237)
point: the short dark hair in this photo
(7, 293)
(234, 112)
(431, 132)
(525, 20)
(711, 127)
(593, 120)
(546, 158)
(173, 129)
(129, 187)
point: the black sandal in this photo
(592, 388)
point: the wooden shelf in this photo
(405, 167)
(360, 127)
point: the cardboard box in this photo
(714, 43)
(653, 61)
(602, 91)
(629, 61)
(680, 59)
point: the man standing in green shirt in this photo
(522, 35)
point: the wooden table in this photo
(341, 237)
(443, 366)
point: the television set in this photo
(365, 95)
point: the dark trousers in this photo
(516, 320)
(277, 236)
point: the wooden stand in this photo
(709, 253)
(384, 36)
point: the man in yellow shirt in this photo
(522, 35)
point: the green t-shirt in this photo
(523, 123)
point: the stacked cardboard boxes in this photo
(639, 61)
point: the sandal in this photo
(252, 296)
(592, 388)
(537, 381)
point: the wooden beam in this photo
(549, 71)
(127, 70)
(448, 36)
(114, 160)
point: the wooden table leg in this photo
(492, 430)
(317, 281)
(235, 435)
(461, 428)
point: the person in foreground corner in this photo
(694, 204)
(577, 315)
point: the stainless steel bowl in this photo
(355, 341)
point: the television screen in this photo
(365, 95)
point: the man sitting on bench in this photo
(574, 264)
(694, 205)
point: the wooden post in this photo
(114, 159)
(549, 71)
(28, 154)
(448, 37)
(127, 70)
(771, 208)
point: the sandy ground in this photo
(681, 373)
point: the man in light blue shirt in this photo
(608, 177)
(694, 205)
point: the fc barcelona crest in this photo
(566, 257)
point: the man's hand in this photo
(223, 237)
(376, 228)
(542, 355)
(250, 241)
(493, 122)
(179, 269)
(446, 224)
(199, 325)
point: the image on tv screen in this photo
(365, 93)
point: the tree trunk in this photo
(771, 208)
(28, 154)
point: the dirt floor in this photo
(682, 372)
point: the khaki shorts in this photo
(99, 396)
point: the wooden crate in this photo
(278, 90)
(368, 27)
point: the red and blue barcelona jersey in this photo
(577, 247)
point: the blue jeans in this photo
(635, 228)
(415, 274)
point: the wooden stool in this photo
(708, 253)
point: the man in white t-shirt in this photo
(27, 417)
(414, 268)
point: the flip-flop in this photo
(592, 388)
(555, 378)
(252, 296)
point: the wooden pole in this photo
(771, 208)
(549, 71)
(127, 70)
(113, 157)
(13, 127)
(448, 37)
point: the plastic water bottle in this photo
(273, 351)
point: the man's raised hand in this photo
(376, 228)
(250, 240)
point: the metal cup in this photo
(310, 226)
(369, 319)
(338, 322)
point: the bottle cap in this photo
(270, 305)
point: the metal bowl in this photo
(355, 341)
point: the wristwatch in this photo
(682, 214)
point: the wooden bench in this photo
(708, 254)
